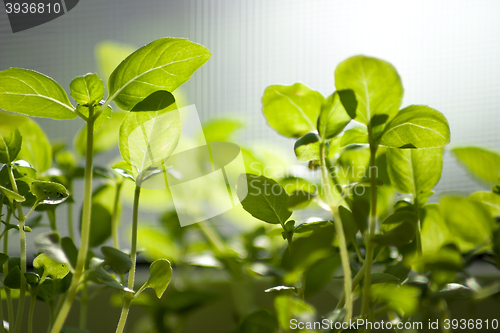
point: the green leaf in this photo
(164, 64)
(334, 117)
(159, 100)
(52, 268)
(469, 222)
(489, 199)
(398, 229)
(417, 126)
(401, 298)
(108, 279)
(260, 321)
(124, 169)
(32, 278)
(352, 164)
(377, 88)
(10, 142)
(107, 137)
(288, 308)
(101, 214)
(265, 199)
(70, 250)
(414, 171)
(454, 291)
(435, 232)
(87, 90)
(307, 147)
(49, 244)
(384, 278)
(13, 278)
(3, 258)
(349, 224)
(149, 138)
(36, 147)
(109, 54)
(356, 135)
(320, 273)
(118, 261)
(11, 195)
(300, 199)
(49, 193)
(160, 273)
(33, 94)
(481, 163)
(221, 130)
(292, 110)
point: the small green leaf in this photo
(292, 110)
(414, 171)
(265, 199)
(10, 142)
(398, 229)
(52, 268)
(33, 94)
(489, 199)
(49, 193)
(124, 169)
(99, 121)
(109, 280)
(470, 223)
(118, 261)
(377, 88)
(11, 195)
(481, 163)
(384, 278)
(417, 126)
(3, 258)
(48, 243)
(13, 278)
(334, 117)
(32, 278)
(356, 135)
(87, 90)
(307, 147)
(160, 273)
(148, 138)
(164, 64)
(454, 291)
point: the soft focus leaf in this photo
(481, 163)
(260, 321)
(164, 64)
(33, 94)
(417, 126)
(292, 110)
(402, 299)
(10, 142)
(288, 308)
(489, 199)
(13, 278)
(435, 232)
(266, 200)
(109, 54)
(36, 148)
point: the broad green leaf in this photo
(105, 139)
(52, 268)
(292, 110)
(149, 138)
(401, 298)
(352, 164)
(300, 199)
(13, 278)
(489, 199)
(49, 244)
(36, 147)
(356, 135)
(469, 222)
(11, 195)
(334, 117)
(266, 200)
(307, 148)
(101, 215)
(160, 273)
(398, 229)
(414, 171)
(49, 193)
(260, 321)
(481, 163)
(109, 54)
(417, 126)
(99, 121)
(10, 142)
(33, 94)
(289, 307)
(377, 88)
(435, 232)
(159, 100)
(118, 261)
(164, 64)
(87, 90)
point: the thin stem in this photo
(114, 218)
(83, 307)
(22, 239)
(51, 213)
(417, 232)
(339, 229)
(10, 306)
(127, 299)
(85, 229)
(370, 232)
(31, 312)
(70, 212)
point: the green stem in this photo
(1, 310)
(339, 229)
(127, 298)
(417, 232)
(10, 306)
(22, 239)
(83, 307)
(70, 212)
(114, 218)
(370, 232)
(51, 213)
(31, 312)
(85, 228)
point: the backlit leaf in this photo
(481, 163)
(87, 90)
(160, 273)
(334, 117)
